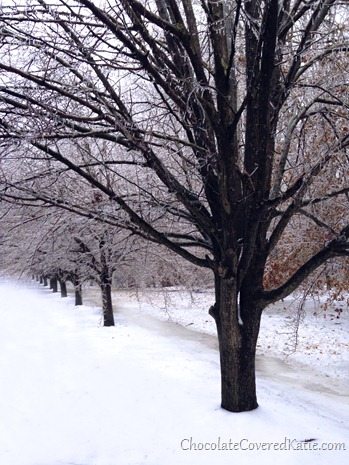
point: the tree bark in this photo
(45, 280)
(108, 315)
(78, 293)
(237, 329)
(63, 287)
(54, 284)
(41, 280)
(105, 283)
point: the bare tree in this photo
(223, 126)
(100, 251)
(58, 246)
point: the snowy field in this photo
(146, 392)
(319, 342)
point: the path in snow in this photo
(72, 392)
(268, 367)
(322, 337)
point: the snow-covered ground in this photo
(320, 344)
(143, 393)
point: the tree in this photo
(100, 251)
(32, 244)
(57, 245)
(212, 109)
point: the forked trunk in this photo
(237, 328)
(63, 287)
(108, 315)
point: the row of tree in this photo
(58, 247)
(216, 129)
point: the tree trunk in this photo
(237, 328)
(63, 287)
(45, 280)
(54, 284)
(41, 280)
(108, 315)
(78, 293)
(106, 280)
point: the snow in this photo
(322, 338)
(73, 392)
